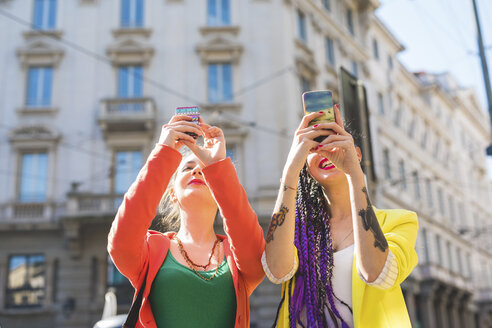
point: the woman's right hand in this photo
(174, 133)
(302, 145)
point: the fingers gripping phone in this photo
(193, 112)
(319, 101)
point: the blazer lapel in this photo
(158, 248)
(358, 286)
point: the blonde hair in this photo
(168, 218)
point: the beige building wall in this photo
(425, 121)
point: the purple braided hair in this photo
(312, 238)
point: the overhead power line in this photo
(148, 80)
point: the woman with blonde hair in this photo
(341, 261)
(195, 278)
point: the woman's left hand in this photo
(214, 145)
(339, 148)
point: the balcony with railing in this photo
(91, 205)
(127, 114)
(21, 212)
(436, 272)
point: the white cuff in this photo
(271, 277)
(388, 275)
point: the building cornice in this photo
(219, 45)
(40, 52)
(398, 47)
(29, 133)
(130, 50)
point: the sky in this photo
(441, 36)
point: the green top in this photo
(180, 298)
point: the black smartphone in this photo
(193, 112)
(319, 101)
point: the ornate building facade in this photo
(86, 85)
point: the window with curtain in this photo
(398, 115)
(437, 148)
(461, 213)
(375, 49)
(26, 285)
(452, 215)
(450, 256)
(127, 165)
(460, 263)
(130, 86)
(220, 83)
(438, 249)
(416, 182)
(425, 245)
(411, 128)
(403, 178)
(355, 68)
(386, 163)
(132, 13)
(218, 12)
(430, 199)
(33, 177)
(350, 21)
(231, 152)
(130, 83)
(469, 269)
(44, 14)
(330, 51)
(305, 84)
(381, 103)
(39, 86)
(390, 62)
(327, 5)
(301, 26)
(440, 199)
(423, 141)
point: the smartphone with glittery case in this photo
(319, 101)
(193, 112)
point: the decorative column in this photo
(427, 293)
(410, 287)
(442, 294)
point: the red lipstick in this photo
(196, 181)
(328, 166)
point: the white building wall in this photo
(267, 89)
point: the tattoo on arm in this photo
(369, 221)
(278, 219)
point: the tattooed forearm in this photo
(369, 221)
(278, 219)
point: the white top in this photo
(342, 279)
(342, 282)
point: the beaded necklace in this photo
(193, 265)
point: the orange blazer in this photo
(133, 247)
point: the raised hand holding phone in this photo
(319, 101)
(214, 145)
(339, 147)
(318, 110)
(193, 112)
(178, 130)
(302, 145)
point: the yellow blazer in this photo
(373, 307)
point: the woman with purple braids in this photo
(341, 261)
